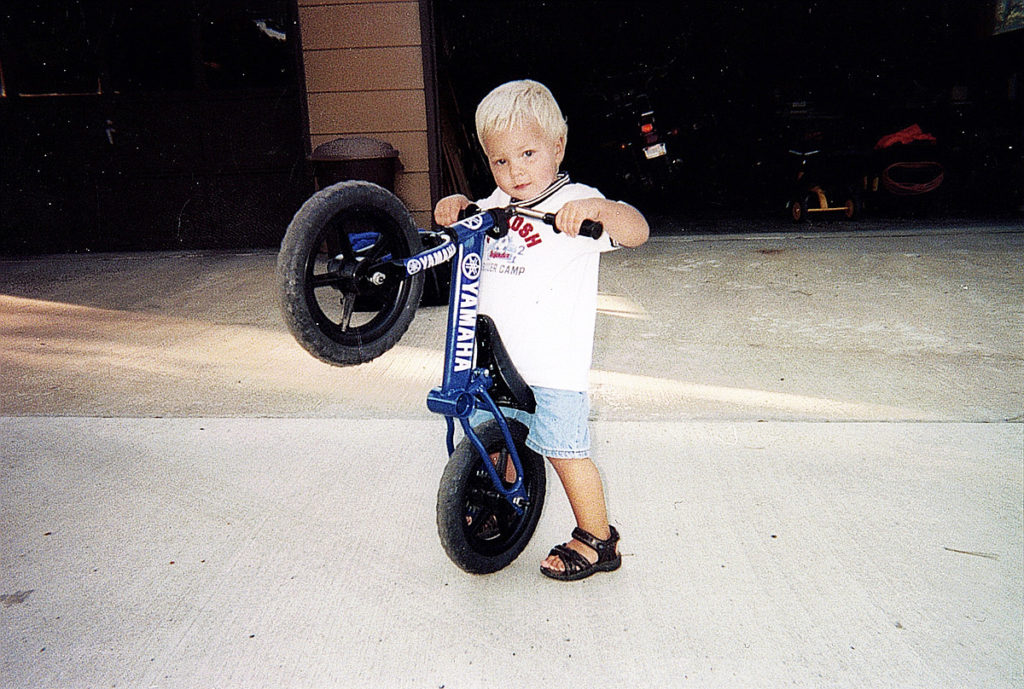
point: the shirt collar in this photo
(560, 181)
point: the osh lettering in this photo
(525, 230)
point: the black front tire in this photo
(479, 529)
(330, 304)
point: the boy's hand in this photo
(447, 210)
(623, 223)
(570, 217)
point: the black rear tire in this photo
(328, 301)
(480, 530)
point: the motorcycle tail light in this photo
(647, 127)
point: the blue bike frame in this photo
(465, 388)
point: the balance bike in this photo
(350, 276)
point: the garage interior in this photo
(127, 126)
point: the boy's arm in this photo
(623, 223)
(447, 210)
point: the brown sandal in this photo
(579, 567)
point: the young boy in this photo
(540, 288)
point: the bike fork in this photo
(514, 494)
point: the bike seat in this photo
(509, 389)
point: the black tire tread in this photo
(451, 503)
(298, 242)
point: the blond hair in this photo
(513, 103)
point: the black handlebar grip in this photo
(470, 210)
(591, 228)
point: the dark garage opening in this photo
(738, 85)
(129, 125)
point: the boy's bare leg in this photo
(583, 487)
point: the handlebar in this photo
(442, 244)
(589, 228)
(471, 209)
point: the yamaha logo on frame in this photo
(471, 266)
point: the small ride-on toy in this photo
(811, 196)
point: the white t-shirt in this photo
(540, 288)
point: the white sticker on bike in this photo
(465, 334)
(471, 266)
(473, 222)
(431, 259)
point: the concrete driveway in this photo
(812, 445)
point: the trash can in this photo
(355, 158)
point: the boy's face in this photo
(524, 160)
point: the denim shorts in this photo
(558, 428)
